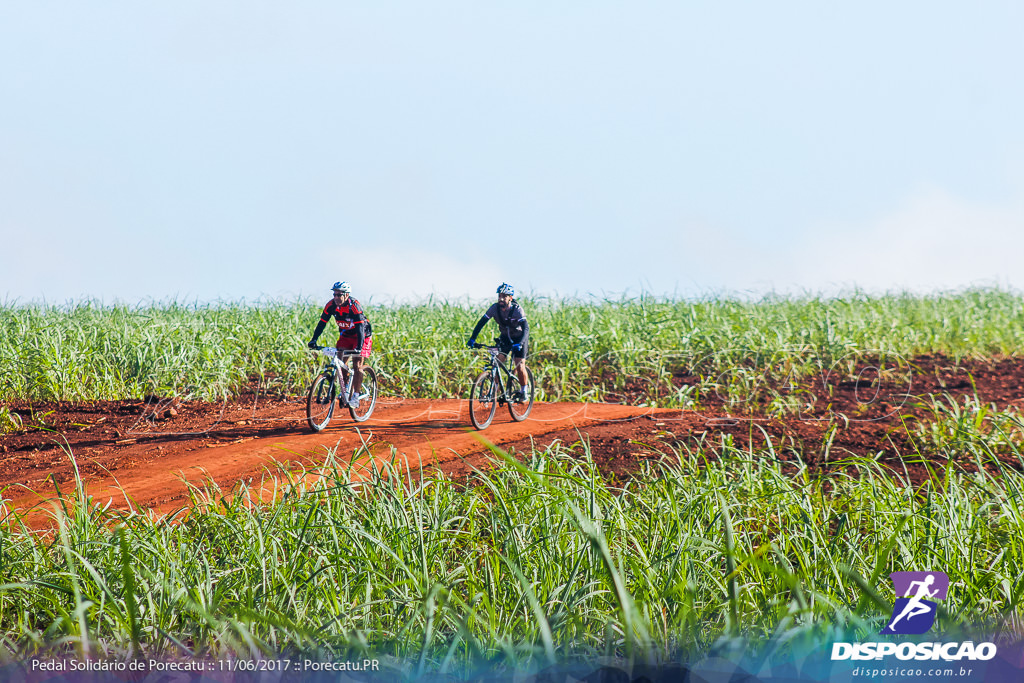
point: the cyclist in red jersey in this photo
(514, 331)
(354, 332)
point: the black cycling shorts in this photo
(506, 347)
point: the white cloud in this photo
(932, 242)
(386, 273)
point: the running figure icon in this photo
(914, 612)
(914, 606)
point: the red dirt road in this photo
(152, 468)
(149, 449)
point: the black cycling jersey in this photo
(511, 321)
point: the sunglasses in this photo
(339, 294)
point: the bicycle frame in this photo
(495, 364)
(336, 364)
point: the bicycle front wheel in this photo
(320, 402)
(367, 397)
(482, 403)
(519, 408)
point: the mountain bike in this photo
(324, 391)
(498, 385)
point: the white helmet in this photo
(506, 288)
(342, 287)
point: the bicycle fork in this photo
(499, 387)
(346, 378)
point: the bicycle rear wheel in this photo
(482, 400)
(520, 409)
(320, 402)
(368, 397)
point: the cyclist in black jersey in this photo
(514, 331)
(354, 333)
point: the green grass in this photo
(582, 350)
(538, 562)
(529, 564)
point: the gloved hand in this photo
(311, 344)
(517, 347)
(471, 342)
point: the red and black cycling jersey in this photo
(352, 322)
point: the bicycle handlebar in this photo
(331, 351)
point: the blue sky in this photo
(235, 150)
